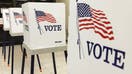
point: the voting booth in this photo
(16, 21)
(102, 37)
(44, 26)
(44, 30)
(6, 27)
(6, 19)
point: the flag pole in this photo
(79, 41)
(38, 23)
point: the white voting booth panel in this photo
(44, 25)
(16, 21)
(105, 37)
(6, 19)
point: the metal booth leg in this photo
(12, 61)
(9, 52)
(4, 48)
(39, 62)
(65, 52)
(21, 48)
(32, 64)
(9, 56)
(54, 63)
(23, 61)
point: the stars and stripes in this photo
(17, 15)
(89, 18)
(42, 16)
(18, 18)
(7, 16)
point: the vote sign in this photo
(104, 37)
(44, 24)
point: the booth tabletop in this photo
(16, 34)
(39, 50)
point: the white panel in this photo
(16, 21)
(52, 26)
(6, 19)
(117, 51)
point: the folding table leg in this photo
(54, 63)
(23, 62)
(9, 55)
(32, 64)
(39, 62)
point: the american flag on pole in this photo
(90, 18)
(18, 17)
(42, 16)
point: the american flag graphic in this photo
(89, 18)
(17, 15)
(42, 16)
(7, 16)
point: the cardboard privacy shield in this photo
(6, 19)
(44, 25)
(16, 21)
(103, 30)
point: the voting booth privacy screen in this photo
(6, 19)
(16, 21)
(102, 44)
(44, 25)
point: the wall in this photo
(67, 11)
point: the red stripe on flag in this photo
(86, 28)
(87, 24)
(102, 35)
(96, 10)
